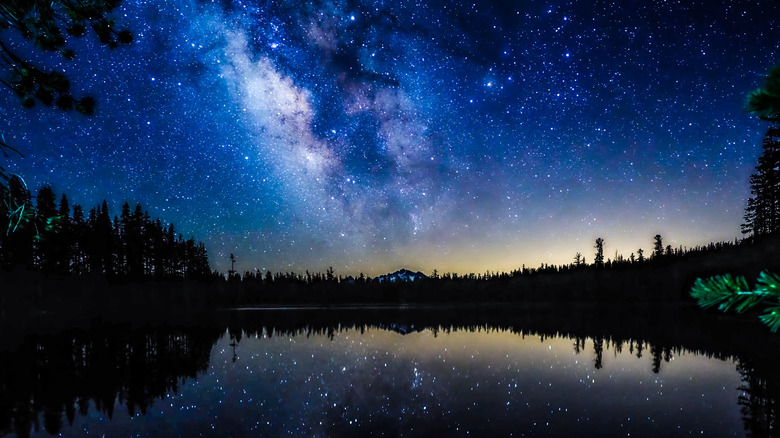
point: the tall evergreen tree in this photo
(762, 214)
(135, 243)
(46, 202)
(79, 260)
(599, 260)
(46, 230)
(158, 259)
(65, 238)
(102, 233)
(658, 246)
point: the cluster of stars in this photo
(373, 136)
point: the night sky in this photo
(370, 136)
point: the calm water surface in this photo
(393, 380)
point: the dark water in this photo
(328, 373)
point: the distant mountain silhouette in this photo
(402, 275)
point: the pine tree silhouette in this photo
(599, 259)
(762, 214)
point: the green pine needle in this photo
(727, 292)
(723, 291)
(772, 318)
(770, 283)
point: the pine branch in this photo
(772, 318)
(727, 292)
(723, 291)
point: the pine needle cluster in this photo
(727, 292)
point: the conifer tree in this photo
(131, 246)
(65, 238)
(599, 260)
(762, 214)
(658, 246)
(102, 236)
(79, 261)
(761, 217)
(46, 229)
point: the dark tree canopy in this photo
(48, 25)
(49, 239)
(765, 102)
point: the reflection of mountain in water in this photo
(48, 379)
(403, 328)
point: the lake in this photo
(380, 372)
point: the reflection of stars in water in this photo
(439, 384)
(416, 383)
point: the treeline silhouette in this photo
(57, 377)
(666, 274)
(659, 257)
(56, 239)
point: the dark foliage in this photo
(765, 102)
(762, 214)
(42, 23)
(49, 238)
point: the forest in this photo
(44, 237)
(54, 238)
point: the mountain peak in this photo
(402, 275)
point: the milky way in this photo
(370, 136)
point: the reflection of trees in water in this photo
(598, 350)
(664, 343)
(758, 400)
(57, 375)
(50, 380)
(579, 344)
